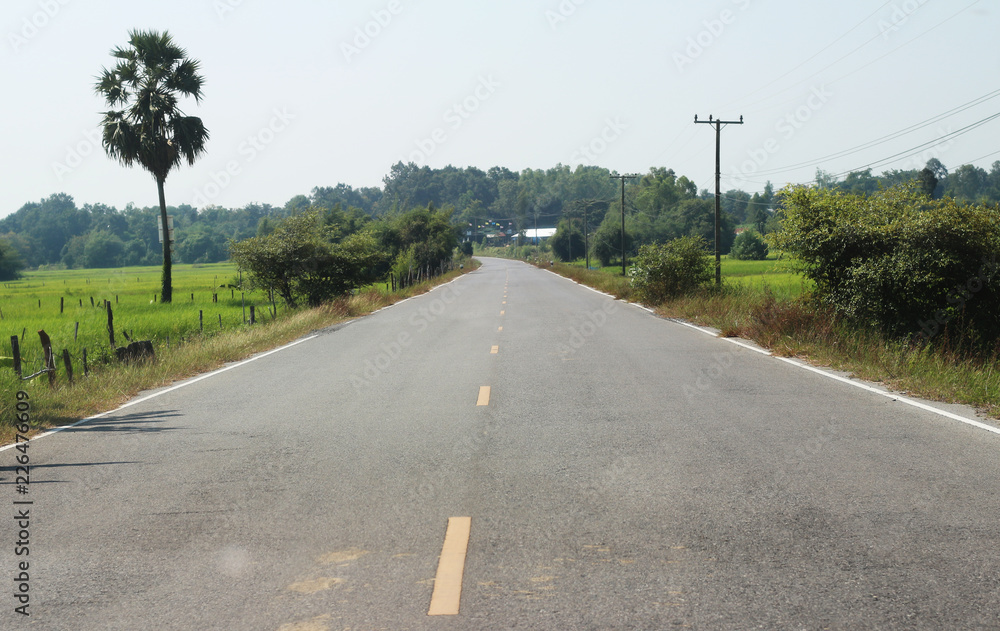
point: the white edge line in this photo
(164, 391)
(895, 397)
(431, 290)
(56, 430)
(851, 382)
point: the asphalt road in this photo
(628, 472)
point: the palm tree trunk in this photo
(166, 291)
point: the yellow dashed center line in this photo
(484, 396)
(494, 350)
(500, 328)
(502, 312)
(448, 583)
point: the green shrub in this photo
(665, 270)
(749, 246)
(897, 261)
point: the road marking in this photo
(500, 328)
(504, 302)
(494, 350)
(502, 312)
(845, 380)
(451, 567)
(484, 396)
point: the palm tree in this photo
(150, 129)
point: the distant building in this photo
(536, 235)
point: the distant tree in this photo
(928, 183)
(606, 244)
(568, 242)
(749, 246)
(758, 217)
(938, 169)
(151, 130)
(103, 249)
(10, 262)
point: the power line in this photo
(830, 65)
(886, 138)
(817, 54)
(917, 149)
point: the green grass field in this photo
(779, 276)
(33, 303)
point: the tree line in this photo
(660, 205)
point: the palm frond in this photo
(150, 129)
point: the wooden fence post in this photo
(111, 327)
(50, 362)
(85, 370)
(69, 365)
(201, 320)
(253, 317)
(16, 352)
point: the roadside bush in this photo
(749, 246)
(896, 261)
(298, 261)
(665, 270)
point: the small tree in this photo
(298, 261)
(666, 270)
(568, 242)
(749, 246)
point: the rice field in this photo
(69, 305)
(778, 275)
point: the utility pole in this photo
(623, 178)
(586, 205)
(718, 122)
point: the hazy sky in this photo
(306, 93)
